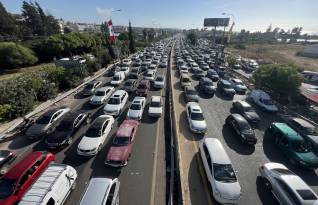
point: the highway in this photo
(142, 181)
(246, 159)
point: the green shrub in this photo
(4, 111)
(240, 46)
(14, 55)
(47, 91)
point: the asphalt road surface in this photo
(142, 180)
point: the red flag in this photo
(111, 32)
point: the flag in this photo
(111, 32)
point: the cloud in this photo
(104, 12)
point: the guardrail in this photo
(17, 122)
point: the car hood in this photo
(252, 116)
(241, 87)
(308, 157)
(120, 153)
(110, 107)
(156, 110)
(229, 90)
(88, 143)
(229, 190)
(198, 124)
(272, 108)
(57, 137)
(133, 113)
(97, 98)
(210, 87)
(36, 129)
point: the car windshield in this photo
(116, 77)
(159, 79)
(227, 86)
(185, 80)
(7, 187)
(100, 93)
(114, 101)
(135, 107)
(301, 146)
(191, 92)
(121, 141)
(268, 102)
(93, 132)
(208, 83)
(149, 74)
(89, 86)
(65, 126)
(43, 120)
(248, 109)
(197, 116)
(224, 173)
(155, 104)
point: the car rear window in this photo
(306, 194)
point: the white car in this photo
(287, 187)
(219, 171)
(125, 69)
(101, 95)
(238, 85)
(126, 62)
(183, 69)
(116, 103)
(118, 78)
(159, 82)
(263, 100)
(136, 108)
(95, 136)
(152, 67)
(156, 106)
(150, 75)
(195, 118)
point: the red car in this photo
(123, 143)
(20, 177)
(143, 88)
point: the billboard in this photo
(213, 22)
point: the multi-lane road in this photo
(142, 181)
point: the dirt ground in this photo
(279, 53)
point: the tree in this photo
(145, 34)
(32, 18)
(123, 36)
(151, 34)
(7, 23)
(132, 46)
(282, 79)
(192, 37)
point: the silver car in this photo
(195, 117)
(287, 187)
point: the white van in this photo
(52, 187)
(101, 191)
(118, 78)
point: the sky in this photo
(253, 15)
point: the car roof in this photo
(217, 151)
(225, 82)
(104, 88)
(99, 121)
(290, 133)
(236, 80)
(244, 103)
(126, 128)
(119, 92)
(156, 98)
(239, 118)
(71, 116)
(206, 79)
(51, 112)
(137, 100)
(195, 107)
(21, 167)
(95, 191)
(303, 123)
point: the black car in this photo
(247, 111)
(220, 70)
(199, 73)
(225, 87)
(213, 75)
(130, 85)
(6, 157)
(133, 76)
(241, 128)
(64, 133)
(206, 86)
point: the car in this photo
(136, 108)
(163, 64)
(286, 186)
(238, 85)
(90, 87)
(159, 82)
(241, 128)
(204, 66)
(135, 70)
(185, 80)
(220, 70)
(130, 85)
(199, 73)
(94, 138)
(194, 67)
(183, 69)
(126, 62)
(152, 67)
(101, 191)
(190, 94)
(155, 106)
(247, 111)
(225, 88)
(150, 75)
(64, 133)
(16, 182)
(101, 95)
(6, 158)
(116, 103)
(297, 149)
(213, 75)
(125, 69)
(46, 124)
(123, 142)
(133, 76)
(118, 78)
(263, 100)
(195, 118)
(305, 128)
(219, 170)
(143, 88)
(206, 86)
